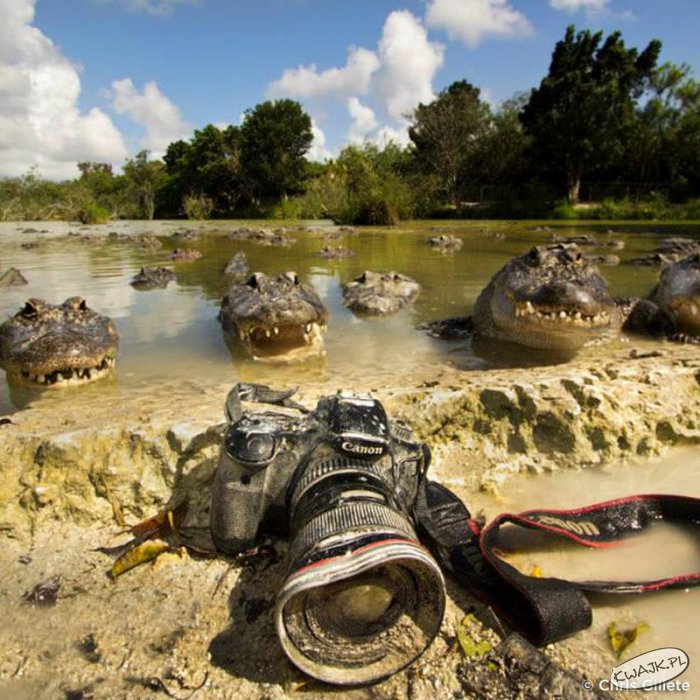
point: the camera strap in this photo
(544, 609)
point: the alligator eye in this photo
(253, 280)
(29, 310)
(292, 277)
(534, 256)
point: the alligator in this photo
(335, 252)
(152, 278)
(671, 250)
(274, 316)
(672, 309)
(445, 243)
(237, 266)
(550, 298)
(51, 345)
(183, 254)
(380, 293)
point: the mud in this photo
(189, 625)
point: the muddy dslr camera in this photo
(362, 598)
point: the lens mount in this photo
(363, 615)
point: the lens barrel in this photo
(363, 598)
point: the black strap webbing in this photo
(543, 609)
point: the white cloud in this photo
(151, 109)
(363, 121)
(409, 62)
(160, 8)
(307, 82)
(390, 134)
(40, 123)
(471, 21)
(318, 151)
(575, 5)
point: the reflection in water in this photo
(175, 333)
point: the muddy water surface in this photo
(175, 333)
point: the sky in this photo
(101, 80)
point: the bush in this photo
(93, 213)
(564, 210)
(197, 206)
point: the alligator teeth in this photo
(276, 330)
(267, 333)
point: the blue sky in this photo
(102, 79)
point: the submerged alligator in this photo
(274, 315)
(52, 345)
(672, 308)
(152, 278)
(549, 298)
(380, 293)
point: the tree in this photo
(274, 138)
(582, 111)
(144, 177)
(206, 167)
(448, 135)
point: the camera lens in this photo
(363, 598)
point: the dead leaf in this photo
(163, 522)
(621, 640)
(140, 554)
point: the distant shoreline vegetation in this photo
(608, 134)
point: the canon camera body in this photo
(363, 597)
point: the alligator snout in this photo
(565, 296)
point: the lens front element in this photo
(363, 615)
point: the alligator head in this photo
(550, 297)
(59, 345)
(274, 315)
(678, 294)
(380, 293)
(152, 278)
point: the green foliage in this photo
(197, 206)
(93, 213)
(144, 177)
(208, 164)
(274, 138)
(449, 136)
(365, 186)
(288, 209)
(583, 110)
(564, 210)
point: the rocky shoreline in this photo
(187, 621)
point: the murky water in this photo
(175, 333)
(663, 550)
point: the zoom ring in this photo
(365, 517)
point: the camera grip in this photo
(236, 506)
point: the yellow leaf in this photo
(469, 646)
(142, 553)
(621, 640)
(536, 571)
